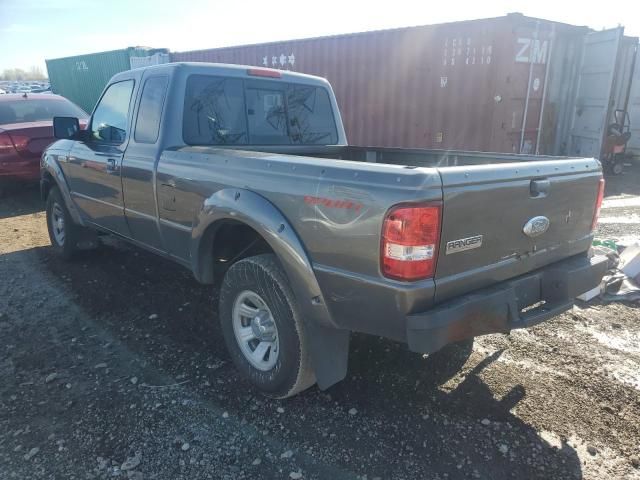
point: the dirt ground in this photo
(113, 366)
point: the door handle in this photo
(111, 165)
(539, 188)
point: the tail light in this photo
(6, 145)
(11, 143)
(599, 198)
(21, 142)
(410, 238)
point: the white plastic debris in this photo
(593, 293)
(630, 260)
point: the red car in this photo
(26, 129)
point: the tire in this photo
(63, 232)
(255, 300)
(617, 168)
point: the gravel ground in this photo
(113, 366)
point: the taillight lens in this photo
(21, 142)
(410, 238)
(13, 143)
(599, 198)
(6, 145)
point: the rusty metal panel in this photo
(463, 85)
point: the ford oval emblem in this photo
(536, 226)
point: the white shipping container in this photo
(155, 59)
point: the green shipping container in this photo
(82, 78)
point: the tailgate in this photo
(494, 217)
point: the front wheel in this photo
(64, 234)
(262, 327)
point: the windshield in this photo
(233, 111)
(24, 110)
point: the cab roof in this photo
(224, 69)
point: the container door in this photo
(595, 84)
(633, 147)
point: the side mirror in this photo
(66, 127)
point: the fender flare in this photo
(328, 345)
(51, 166)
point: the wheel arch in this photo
(51, 175)
(242, 208)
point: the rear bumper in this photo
(499, 309)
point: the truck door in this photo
(594, 91)
(93, 167)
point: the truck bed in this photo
(337, 208)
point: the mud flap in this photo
(329, 348)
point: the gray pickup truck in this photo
(243, 175)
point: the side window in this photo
(109, 121)
(214, 111)
(151, 103)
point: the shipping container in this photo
(473, 85)
(82, 78)
(509, 84)
(602, 85)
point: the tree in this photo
(35, 73)
(18, 74)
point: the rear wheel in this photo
(262, 327)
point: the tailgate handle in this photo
(539, 188)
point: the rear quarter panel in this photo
(335, 207)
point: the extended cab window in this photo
(109, 121)
(230, 111)
(214, 111)
(148, 121)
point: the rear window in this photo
(36, 109)
(214, 111)
(234, 111)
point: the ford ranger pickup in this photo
(244, 176)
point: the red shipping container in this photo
(463, 85)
